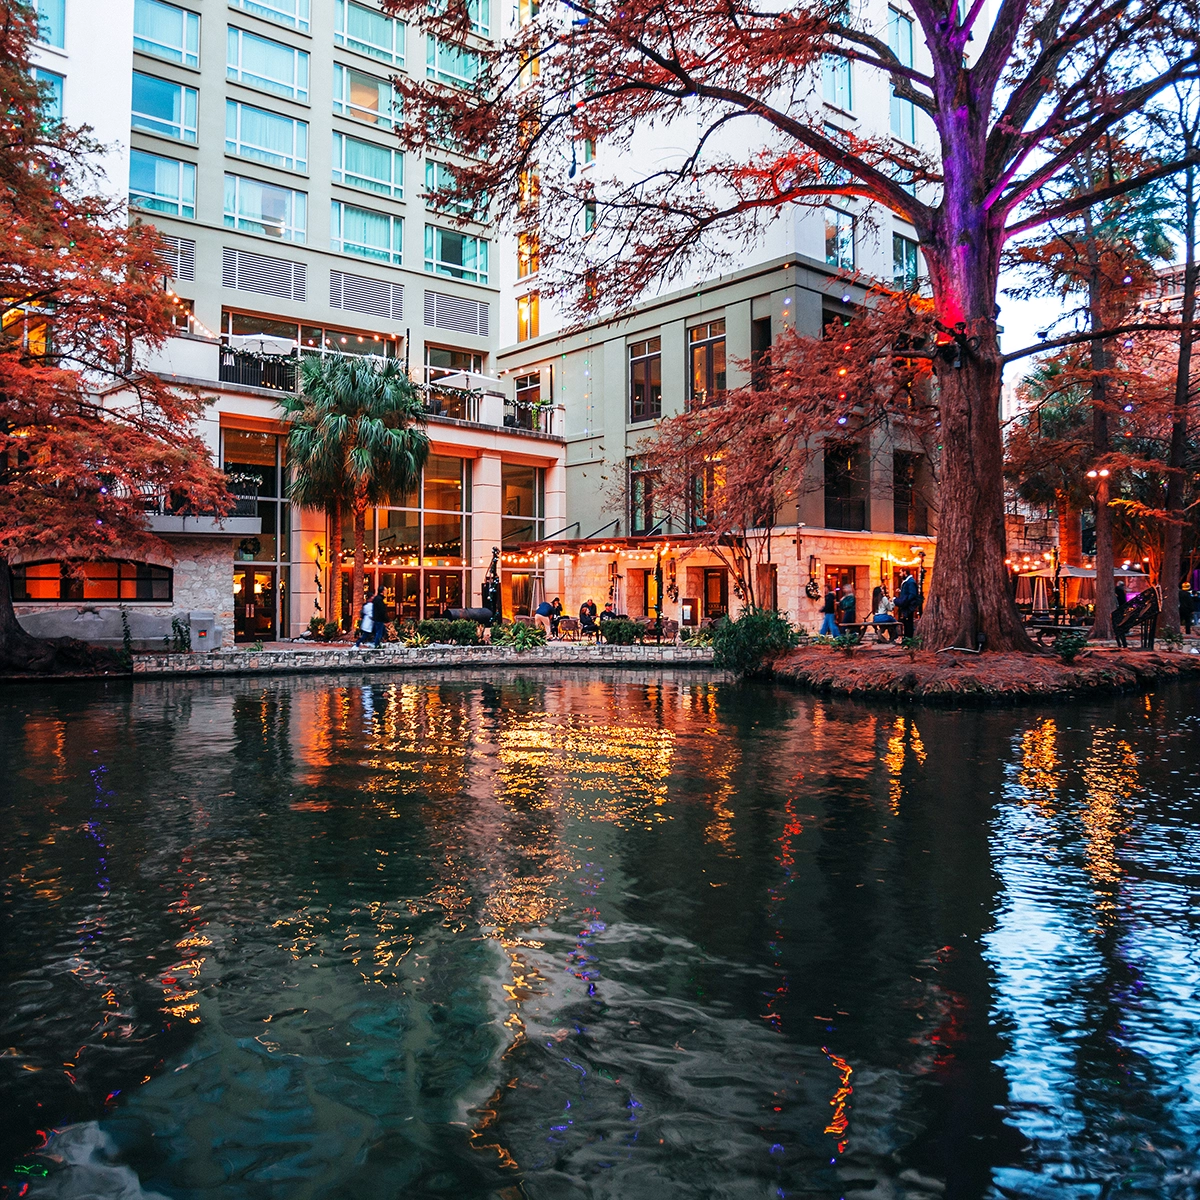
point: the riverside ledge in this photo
(295, 659)
(988, 678)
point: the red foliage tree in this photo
(86, 437)
(1013, 106)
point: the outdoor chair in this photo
(568, 628)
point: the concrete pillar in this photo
(810, 503)
(737, 343)
(880, 495)
(485, 516)
(674, 368)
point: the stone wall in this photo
(203, 581)
(395, 657)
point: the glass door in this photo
(442, 590)
(254, 604)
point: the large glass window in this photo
(528, 251)
(266, 137)
(838, 82)
(293, 13)
(361, 164)
(522, 503)
(910, 513)
(166, 31)
(839, 239)
(162, 184)
(52, 22)
(645, 380)
(439, 178)
(256, 465)
(366, 234)
(448, 62)
(905, 265)
(441, 361)
(52, 104)
(363, 97)
(270, 66)
(163, 107)
(113, 580)
(845, 486)
(900, 41)
(478, 13)
(368, 31)
(459, 255)
(706, 381)
(528, 316)
(641, 497)
(257, 207)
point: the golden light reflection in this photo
(839, 1123)
(1041, 775)
(902, 738)
(1110, 775)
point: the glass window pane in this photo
(293, 13)
(361, 164)
(265, 208)
(443, 539)
(267, 137)
(362, 97)
(443, 483)
(399, 536)
(269, 65)
(52, 106)
(366, 234)
(52, 22)
(162, 184)
(166, 31)
(368, 31)
(163, 107)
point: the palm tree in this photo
(357, 439)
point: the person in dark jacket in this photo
(379, 616)
(908, 600)
(1187, 607)
(587, 616)
(829, 614)
(556, 612)
(1122, 600)
(847, 606)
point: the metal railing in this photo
(520, 415)
(451, 402)
(277, 373)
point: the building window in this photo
(478, 13)
(839, 239)
(166, 32)
(900, 41)
(527, 317)
(441, 361)
(527, 10)
(440, 179)
(527, 254)
(831, 173)
(165, 108)
(52, 93)
(447, 62)
(366, 234)
(265, 208)
(112, 580)
(368, 31)
(909, 511)
(702, 506)
(267, 65)
(645, 380)
(706, 380)
(529, 190)
(161, 184)
(529, 389)
(266, 137)
(838, 82)
(313, 339)
(52, 22)
(760, 353)
(360, 164)
(904, 261)
(589, 216)
(292, 13)
(845, 486)
(522, 503)
(362, 97)
(459, 255)
(641, 497)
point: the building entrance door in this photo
(442, 590)
(716, 592)
(254, 604)
(401, 594)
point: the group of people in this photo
(895, 617)
(549, 613)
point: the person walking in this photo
(379, 616)
(829, 625)
(1118, 616)
(907, 602)
(847, 606)
(1187, 607)
(366, 622)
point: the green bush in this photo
(749, 643)
(846, 642)
(519, 636)
(620, 632)
(454, 633)
(1172, 639)
(697, 638)
(1068, 644)
(331, 631)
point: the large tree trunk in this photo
(1172, 565)
(1105, 588)
(334, 559)
(1070, 534)
(360, 549)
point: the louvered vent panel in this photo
(357, 293)
(456, 314)
(245, 271)
(178, 255)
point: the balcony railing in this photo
(274, 372)
(520, 415)
(451, 402)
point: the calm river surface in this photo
(586, 935)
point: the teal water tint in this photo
(594, 936)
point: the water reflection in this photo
(594, 936)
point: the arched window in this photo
(111, 580)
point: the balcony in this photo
(535, 417)
(273, 372)
(163, 517)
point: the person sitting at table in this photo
(883, 612)
(587, 616)
(608, 613)
(556, 612)
(542, 615)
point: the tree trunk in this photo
(1105, 587)
(1070, 534)
(1172, 565)
(970, 594)
(19, 651)
(334, 560)
(360, 549)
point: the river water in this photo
(584, 935)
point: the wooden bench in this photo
(1040, 630)
(881, 630)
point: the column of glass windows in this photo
(900, 42)
(645, 380)
(706, 379)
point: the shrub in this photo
(331, 630)
(846, 642)
(519, 636)
(1172, 639)
(912, 645)
(748, 644)
(698, 637)
(1068, 644)
(180, 641)
(316, 627)
(454, 633)
(620, 632)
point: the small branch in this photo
(1089, 336)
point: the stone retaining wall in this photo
(291, 660)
